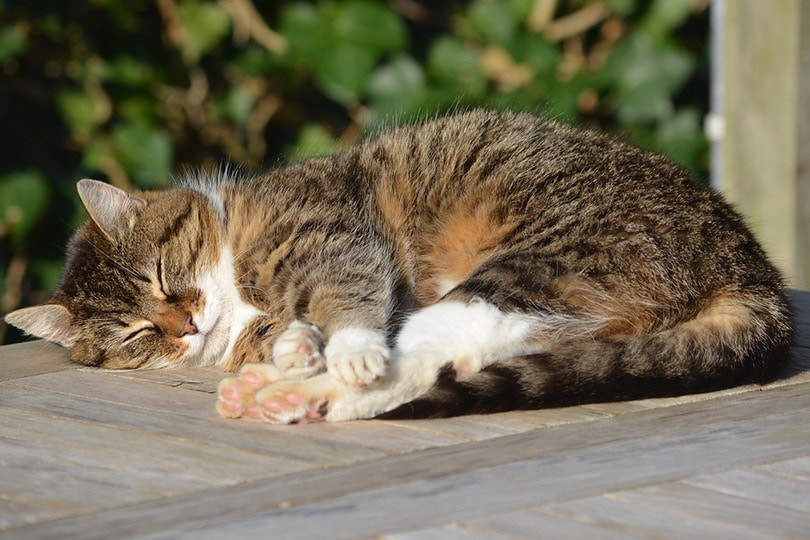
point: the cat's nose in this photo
(189, 328)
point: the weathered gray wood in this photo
(32, 358)
(142, 454)
(530, 524)
(766, 142)
(446, 484)
(645, 521)
(760, 486)
(281, 442)
(691, 500)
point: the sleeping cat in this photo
(475, 263)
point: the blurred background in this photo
(134, 92)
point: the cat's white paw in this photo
(357, 356)
(298, 351)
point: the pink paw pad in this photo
(289, 405)
(236, 395)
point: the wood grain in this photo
(96, 454)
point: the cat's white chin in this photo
(223, 318)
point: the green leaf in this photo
(24, 197)
(645, 75)
(493, 21)
(681, 138)
(520, 9)
(205, 23)
(397, 82)
(534, 50)
(450, 59)
(13, 42)
(307, 31)
(146, 153)
(313, 140)
(237, 105)
(663, 16)
(371, 24)
(79, 112)
(47, 271)
(623, 8)
(128, 71)
(343, 71)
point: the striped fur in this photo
(473, 263)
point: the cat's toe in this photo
(358, 368)
(236, 395)
(298, 351)
(357, 357)
(290, 404)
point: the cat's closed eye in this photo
(139, 329)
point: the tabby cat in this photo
(475, 263)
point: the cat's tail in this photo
(738, 337)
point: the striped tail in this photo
(739, 337)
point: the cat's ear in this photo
(49, 321)
(112, 209)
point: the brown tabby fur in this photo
(672, 291)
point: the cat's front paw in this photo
(297, 352)
(357, 356)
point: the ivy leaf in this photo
(145, 152)
(79, 112)
(645, 74)
(24, 197)
(370, 24)
(13, 42)
(494, 22)
(313, 140)
(449, 59)
(343, 71)
(205, 23)
(307, 30)
(398, 82)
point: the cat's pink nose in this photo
(189, 328)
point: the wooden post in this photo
(765, 158)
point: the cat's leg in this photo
(342, 281)
(298, 351)
(458, 335)
(354, 355)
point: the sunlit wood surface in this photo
(89, 454)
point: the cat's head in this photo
(141, 286)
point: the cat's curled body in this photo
(478, 262)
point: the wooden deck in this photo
(89, 454)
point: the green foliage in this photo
(130, 91)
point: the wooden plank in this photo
(691, 500)
(169, 455)
(106, 387)
(32, 358)
(282, 442)
(447, 532)
(377, 435)
(443, 485)
(646, 521)
(760, 155)
(798, 468)
(760, 486)
(531, 524)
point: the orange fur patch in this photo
(463, 241)
(623, 311)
